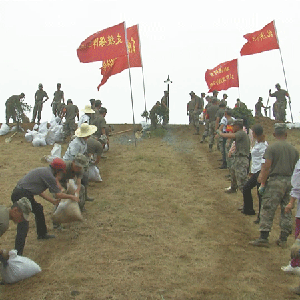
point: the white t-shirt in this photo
(257, 154)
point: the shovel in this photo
(8, 140)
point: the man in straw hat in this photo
(36, 182)
(79, 145)
(86, 117)
(275, 178)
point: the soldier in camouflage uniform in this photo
(39, 96)
(199, 104)
(211, 112)
(164, 108)
(280, 95)
(275, 178)
(10, 107)
(58, 101)
(206, 127)
(70, 111)
(240, 164)
(258, 106)
(191, 108)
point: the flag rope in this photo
(284, 72)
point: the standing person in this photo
(257, 160)
(70, 112)
(206, 128)
(241, 154)
(39, 96)
(224, 99)
(219, 116)
(191, 108)
(275, 178)
(153, 115)
(164, 108)
(58, 101)
(211, 112)
(10, 107)
(258, 106)
(239, 104)
(294, 265)
(100, 123)
(199, 103)
(280, 96)
(86, 117)
(36, 182)
(79, 145)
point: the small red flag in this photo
(117, 65)
(102, 45)
(223, 76)
(260, 41)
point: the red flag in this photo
(102, 45)
(223, 76)
(117, 65)
(260, 41)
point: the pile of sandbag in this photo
(5, 129)
(42, 136)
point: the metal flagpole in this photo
(142, 67)
(284, 72)
(130, 84)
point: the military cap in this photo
(225, 95)
(81, 160)
(203, 94)
(98, 103)
(239, 122)
(22, 95)
(25, 205)
(69, 101)
(59, 84)
(277, 85)
(215, 92)
(102, 110)
(280, 128)
(260, 98)
(40, 85)
(192, 93)
(92, 101)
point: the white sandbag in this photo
(94, 174)
(50, 137)
(56, 150)
(35, 127)
(145, 125)
(71, 187)
(43, 128)
(39, 140)
(19, 268)
(58, 133)
(67, 211)
(4, 129)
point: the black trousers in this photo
(248, 200)
(22, 227)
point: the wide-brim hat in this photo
(88, 110)
(85, 130)
(25, 205)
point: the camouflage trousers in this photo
(10, 112)
(37, 110)
(205, 133)
(277, 192)
(196, 117)
(191, 117)
(69, 128)
(239, 172)
(211, 132)
(281, 111)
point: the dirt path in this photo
(161, 227)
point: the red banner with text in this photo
(117, 65)
(260, 41)
(223, 76)
(102, 45)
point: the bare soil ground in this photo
(161, 227)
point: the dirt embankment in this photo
(160, 227)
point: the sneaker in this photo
(290, 269)
(229, 190)
(260, 243)
(46, 237)
(282, 244)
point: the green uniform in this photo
(164, 109)
(94, 147)
(71, 111)
(284, 158)
(280, 103)
(38, 106)
(191, 108)
(10, 108)
(56, 104)
(258, 107)
(212, 111)
(199, 103)
(100, 123)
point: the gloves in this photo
(295, 249)
(261, 190)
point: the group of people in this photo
(84, 150)
(160, 111)
(252, 163)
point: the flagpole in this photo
(284, 72)
(130, 83)
(142, 67)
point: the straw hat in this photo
(85, 130)
(88, 110)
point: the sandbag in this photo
(43, 128)
(94, 173)
(19, 268)
(4, 129)
(67, 211)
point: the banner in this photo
(117, 65)
(102, 45)
(223, 76)
(260, 41)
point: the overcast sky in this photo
(181, 39)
